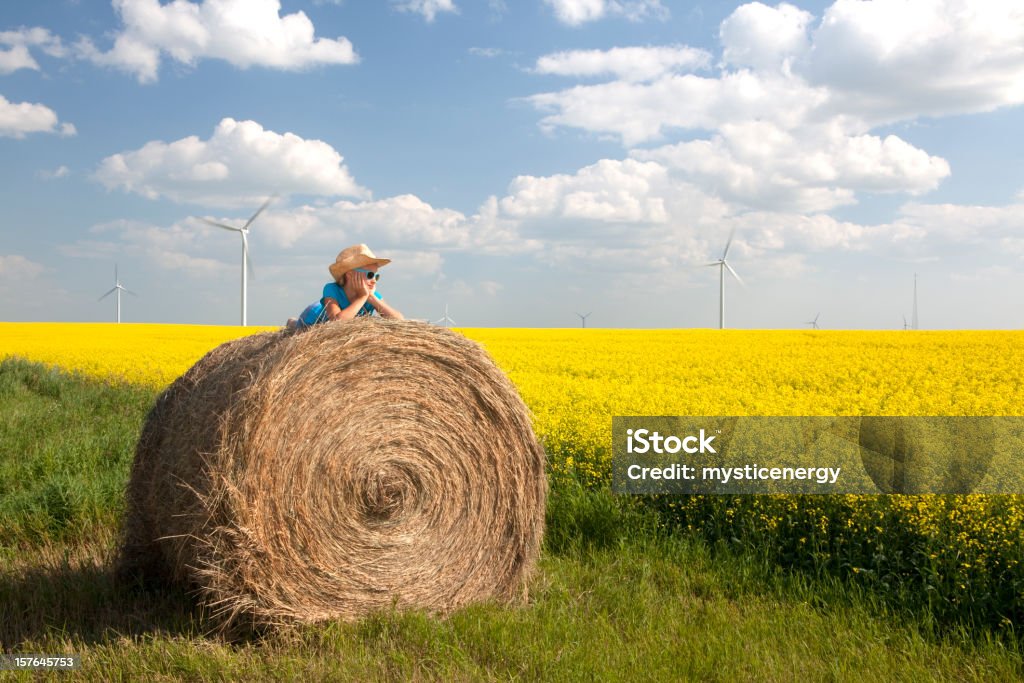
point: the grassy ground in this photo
(615, 598)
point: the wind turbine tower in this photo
(246, 264)
(723, 264)
(118, 288)
(913, 323)
(583, 319)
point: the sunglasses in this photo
(369, 274)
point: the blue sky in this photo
(521, 162)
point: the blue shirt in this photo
(317, 313)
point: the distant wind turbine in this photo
(814, 323)
(446, 321)
(723, 265)
(583, 318)
(118, 287)
(246, 264)
(904, 323)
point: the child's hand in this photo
(361, 286)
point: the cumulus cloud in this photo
(244, 33)
(641, 112)
(577, 12)
(866, 63)
(240, 165)
(813, 169)
(624, 63)
(21, 118)
(17, 55)
(616, 212)
(895, 60)
(764, 38)
(184, 246)
(428, 8)
(608, 191)
(16, 267)
(394, 221)
(787, 123)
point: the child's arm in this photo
(384, 309)
(336, 312)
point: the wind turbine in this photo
(118, 287)
(246, 264)
(583, 318)
(445, 320)
(814, 323)
(904, 323)
(723, 264)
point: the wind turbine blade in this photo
(129, 291)
(716, 263)
(734, 274)
(107, 294)
(728, 244)
(259, 211)
(219, 225)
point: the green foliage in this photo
(66, 445)
(956, 558)
(580, 518)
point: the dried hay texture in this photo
(355, 467)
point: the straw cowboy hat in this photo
(358, 256)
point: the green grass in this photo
(616, 597)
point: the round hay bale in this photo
(358, 466)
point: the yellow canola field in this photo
(146, 354)
(576, 380)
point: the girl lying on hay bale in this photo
(353, 292)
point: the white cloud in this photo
(412, 265)
(608, 191)
(15, 58)
(405, 220)
(16, 267)
(815, 168)
(865, 63)
(896, 60)
(18, 56)
(59, 172)
(19, 119)
(577, 12)
(244, 33)
(765, 38)
(428, 8)
(185, 246)
(640, 112)
(240, 165)
(625, 63)
(964, 223)
(787, 125)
